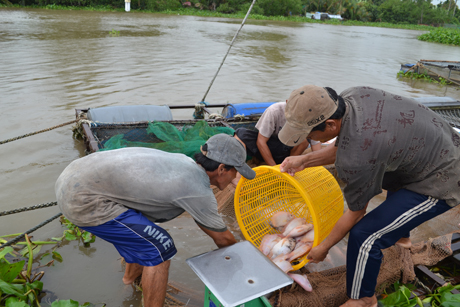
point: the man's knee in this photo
(357, 234)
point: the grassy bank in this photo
(240, 15)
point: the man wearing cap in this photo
(264, 143)
(384, 141)
(121, 195)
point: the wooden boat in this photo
(448, 70)
(98, 126)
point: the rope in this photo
(36, 132)
(28, 208)
(239, 117)
(16, 239)
(228, 51)
(215, 116)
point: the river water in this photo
(55, 61)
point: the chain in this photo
(16, 239)
(28, 208)
(37, 132)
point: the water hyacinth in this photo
(443, 36)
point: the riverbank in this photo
(240, 15)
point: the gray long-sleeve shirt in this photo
(392, 142)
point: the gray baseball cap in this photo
(226, 149)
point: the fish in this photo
(283, 247)
(282, 262)
(300, 249)
(299, 230)
(268, 241)
(307, 237)
(293, 224)
(302, 280)
(280, 219)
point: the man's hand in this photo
(324, 156)
(341, 228)
(318, 253)
(293, 164)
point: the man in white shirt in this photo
(264, 143)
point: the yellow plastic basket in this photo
(312, 193)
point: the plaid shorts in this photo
(137, 239)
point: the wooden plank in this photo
(456, 257)
(455, 246)
(91, 142)
(434, 277)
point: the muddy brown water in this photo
(55, 61)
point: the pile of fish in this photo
(294, 240)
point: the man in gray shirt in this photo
(384, 141)
(121, 195)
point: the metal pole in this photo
(228, 51)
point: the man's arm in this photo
(264, 150)
(325, 156)
(316, 147)
(221, 239)
(341, 228)
(299, 149)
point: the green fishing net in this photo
(168, 138)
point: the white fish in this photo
(280, 219)
(282, 262)
(293, 224)
(268, 241)
(302, 281)
(283, 247)
(299, 230)
(300, 249)
(308, 237)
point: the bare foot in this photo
(404, 243)
(127, 281)
(362, 302)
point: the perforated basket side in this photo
(326, 199)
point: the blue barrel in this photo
(250, 109)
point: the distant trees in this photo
(392, 11)
(280, 7)
(414, 12)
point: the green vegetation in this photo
(401, 297)
(114, 33)
(20, 283)
(443, 36)
(415, 76)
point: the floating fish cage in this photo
(137, 132)
(313, 194)
(96, 131)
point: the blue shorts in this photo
(137, 239)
